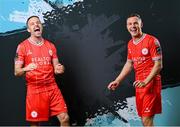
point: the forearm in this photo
(58, 67)
(19, 71)
(125, 71)
(55, 62)
(155, 70)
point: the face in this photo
(35, 27)
(134, 26)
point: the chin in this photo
(135, 35)
(38, 36)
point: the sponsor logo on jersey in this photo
(41, 60)
(138, 60)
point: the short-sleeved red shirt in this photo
(143, 53)
(42, 56)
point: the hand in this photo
(59, 69)
(30, 67)
(113, 85)
(139, 84)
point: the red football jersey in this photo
(143, 53)
(42, 56)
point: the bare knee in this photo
(147, 121)
(64, 119)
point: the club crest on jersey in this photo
(50, 52)
(34, 114)
(144, 51)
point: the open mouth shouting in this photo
(37, 31)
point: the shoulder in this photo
(151, 37)
(48, 42)
(21, 47)
(22, 44)
(151, 40)
(154, 41)
(130, 42)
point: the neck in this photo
(136, 38)
(139, 39)
(36, 40)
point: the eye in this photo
(136, 23)
(38, 22)
(32, 23)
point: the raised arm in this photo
(19, 70)
(58, 67)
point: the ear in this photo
(141, 25)
(28, 30)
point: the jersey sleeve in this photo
(20, 54)
(129, 57)
(155, 49)
(54, 52)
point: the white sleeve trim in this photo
(19, 62)
(55, 58)
(129, 60)
(157, 58)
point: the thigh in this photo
(149, 103)
(37, 107)
(57, 103)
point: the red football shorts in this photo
(39, 106)
(148, 99)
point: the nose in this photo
(36, 23)
(133, 25)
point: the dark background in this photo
(91, 39)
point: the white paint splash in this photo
(35, 8)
